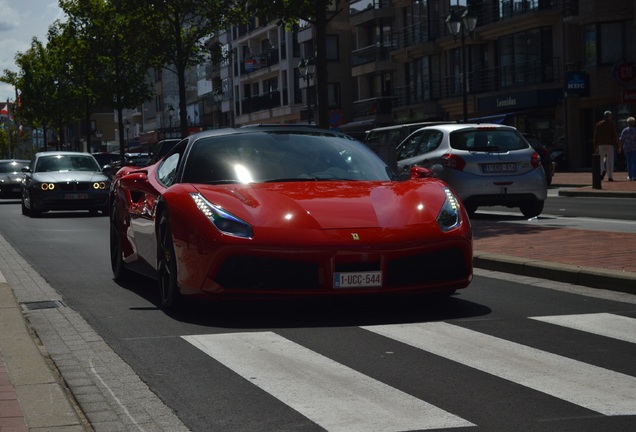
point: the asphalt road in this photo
(475, 360)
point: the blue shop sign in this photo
(577, 83)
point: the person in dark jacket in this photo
(606, 142)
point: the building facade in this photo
(547, 67)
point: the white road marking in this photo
(598, 389)
(603, 324)
(330, 394)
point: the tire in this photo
(120, 272)
(25, 210)
(532, 209)
(32, 211)
(169, 294)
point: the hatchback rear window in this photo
(492, 140)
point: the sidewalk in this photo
(34, 396)
(597, 259)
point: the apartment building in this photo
(547, 67)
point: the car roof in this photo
(265, 128)
(62, 153)
(407, 125)
(452, 127)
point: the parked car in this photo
(486, 164)
(62, 180)
(546, 161)
(285, 211)
(11, 177)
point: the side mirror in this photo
(25, 169)
(421, 172)
(134, 181)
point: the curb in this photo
(41, 398)
(586, 276)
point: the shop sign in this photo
(623, 72)
(629, 95)
(577, 83)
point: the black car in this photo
(64, 181)
(11, 177)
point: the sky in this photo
(20, 21)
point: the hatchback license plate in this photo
(357, 279)
(500, 167)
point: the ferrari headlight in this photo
(449, 216)
(224, 221)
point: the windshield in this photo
(281, 156)
(66, 163)
(12, 166)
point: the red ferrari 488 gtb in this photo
(285, 211)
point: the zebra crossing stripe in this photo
(603, 324)
(330, 394)
(598, 389)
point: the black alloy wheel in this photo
(167, 266)
(32, 211)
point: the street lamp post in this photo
(460, 25)
(307, 68)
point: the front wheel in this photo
(120, 272)
(167, 266)
(532, 209)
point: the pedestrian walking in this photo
(628, 141)
(606, 142)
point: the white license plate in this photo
(357, 279)
(74, 196)
(500, 167)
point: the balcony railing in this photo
(261, 102)
(356, 7)
(371, 54)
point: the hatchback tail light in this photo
(535, 160)
(453, 161)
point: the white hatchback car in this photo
(486, 164)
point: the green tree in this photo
(176, 33)
(109, 54)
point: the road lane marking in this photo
(603, 324)
(598, 389)
(330, 394)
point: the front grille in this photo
(434, 267)
(258, 273)
(74, 186)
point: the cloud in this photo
(10, 18)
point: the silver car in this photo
(486, 164)
(64, 181)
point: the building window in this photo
(333, 49)
(607, 43)
(334, 95)
(526, 58)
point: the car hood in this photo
(11, 177)
(69, 176)
(331, 204)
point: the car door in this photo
(419, 149)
